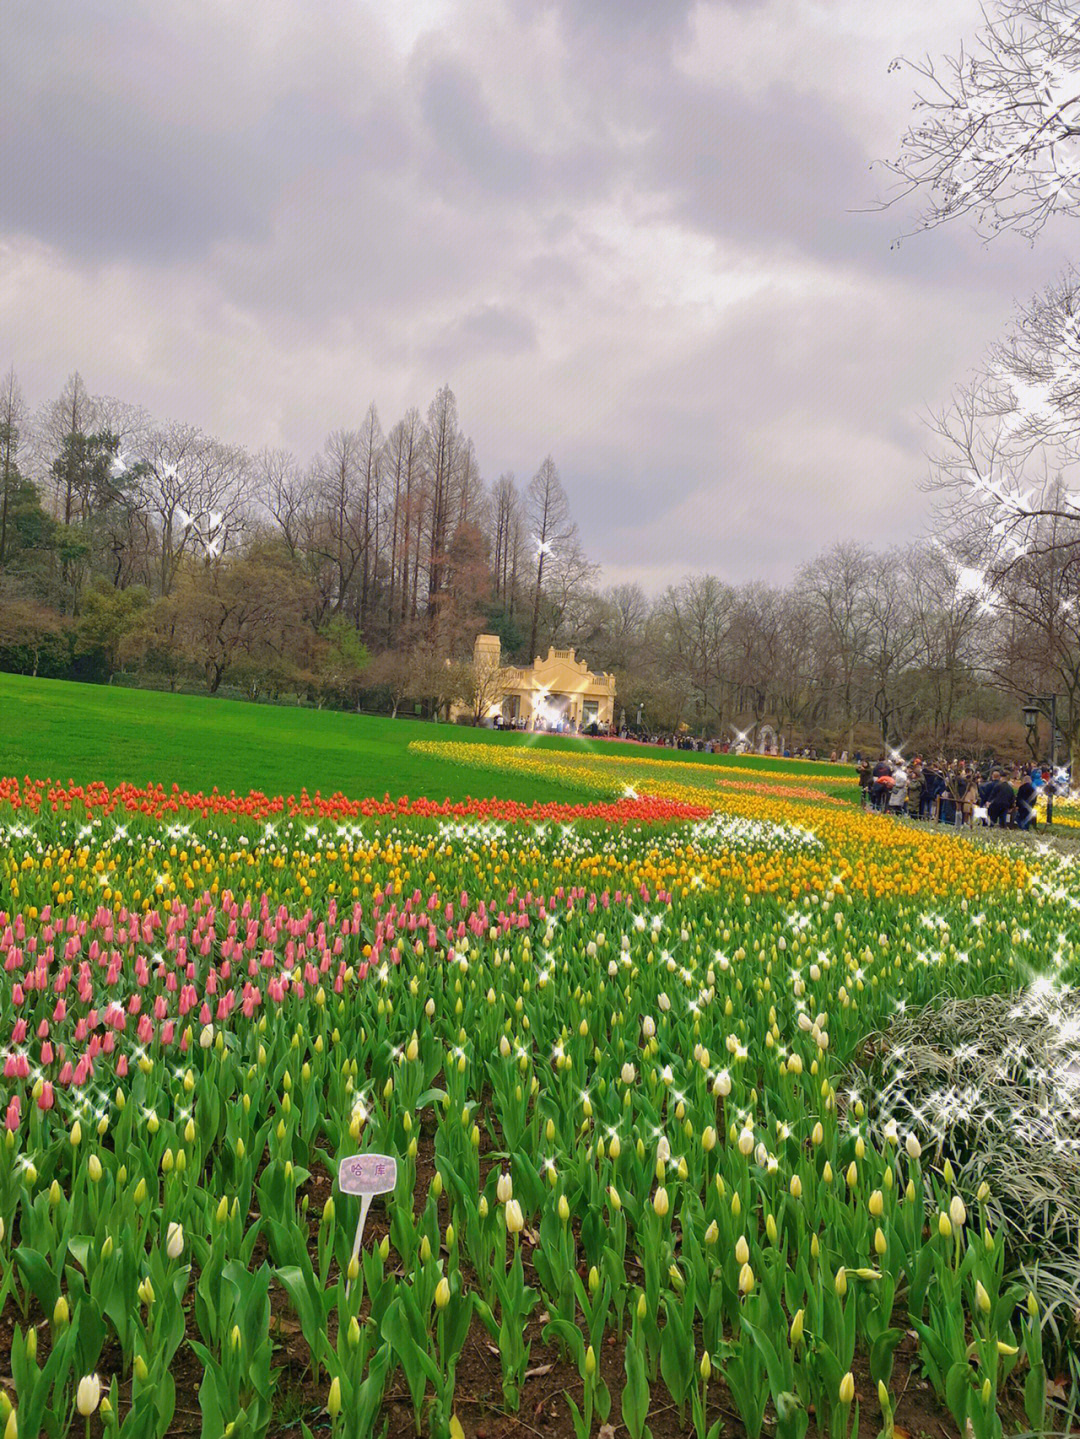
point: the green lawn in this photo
(62, 731)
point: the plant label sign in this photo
(366, 1175)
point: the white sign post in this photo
(366, 1175)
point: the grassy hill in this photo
(64, 731)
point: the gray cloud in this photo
(623, 230)
(472, 148)
(489, 329)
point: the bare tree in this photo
(548, 513)
(623, 615)
(891, 645)
(12, 426)
(836, 587)
(485, 684)
(444, 446)
(192, 489)
(341, 533)
(74, 412)
(506, 517)
(998, 125)
(404, 464)
(694, 621)
(370, 467)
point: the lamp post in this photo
(1045, 705)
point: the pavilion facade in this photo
(558, 691)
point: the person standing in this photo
(916, 780)
(1000, 800)
(970, 798)
(863, 770)
(898, 795)
(1026, 796)
(933, 785)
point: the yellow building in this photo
(558, 692)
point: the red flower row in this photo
(156, 802)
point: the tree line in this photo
(154, 553)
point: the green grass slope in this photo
(65, 731)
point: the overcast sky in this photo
(623, 231)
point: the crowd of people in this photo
(1004, 796)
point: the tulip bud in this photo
(746, 1279)
(590, 1362)
(876, 1204)
(982, 1299)
(235, 1338)
(333, 1400)
(913, 1147)
(88, 1395)
(840, 1282)
(11, 1428)
(93, 1168)
(795, 1187)
(352, 1273)
(642, 1306)
(944, 1225)
(515, 1221)
(142, 1373)
(742, 1250)
(425, 1249)
(797, 1323)
(61, 1314)
(706, 1367)
(442, 1294)
(660, 1201)
(174, 1241)
(847, 1388)
(712, 1234)
(957, 1212)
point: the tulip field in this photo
(613, 1045)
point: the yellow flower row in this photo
(870, 853)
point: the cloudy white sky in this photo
(625, 232)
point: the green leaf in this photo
(958, 1391)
